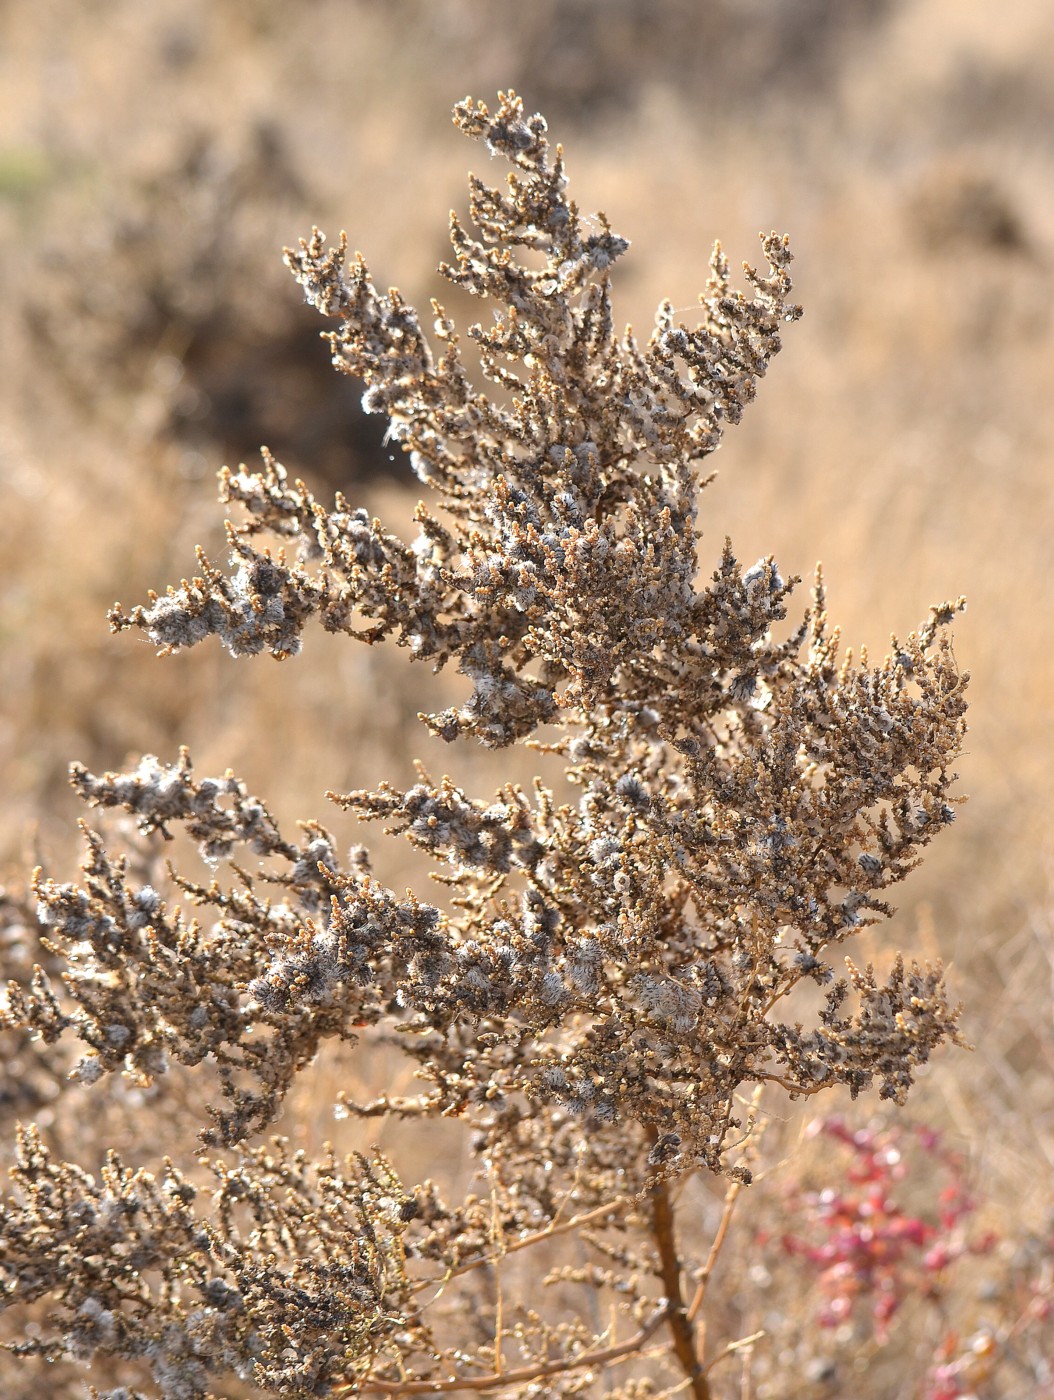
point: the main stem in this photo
(684, 1339)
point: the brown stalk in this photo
(677, 1315)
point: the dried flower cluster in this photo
(610, 972)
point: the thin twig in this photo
(520, 1376)
(731, 1196)
(417, 1106)
(731, 1348)
(526, 1241)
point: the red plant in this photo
(863, 1242)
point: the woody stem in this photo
(680, 1325)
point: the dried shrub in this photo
(164, 287)
(585, 56)
(615, 966)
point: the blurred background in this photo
(154, 159)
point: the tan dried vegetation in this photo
(678, 800)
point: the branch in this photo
(715, 1249)
(588, 1217)
(522, 1375)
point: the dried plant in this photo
(600, 993)
(882, 1250)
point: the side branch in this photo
(523, 1374)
